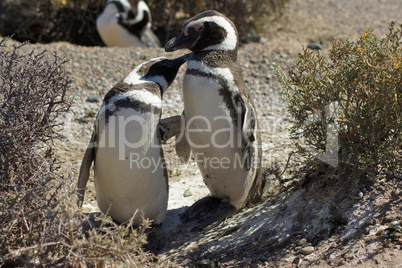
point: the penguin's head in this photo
(209, 30)
(130, 12)
(161, 70)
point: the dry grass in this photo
(40, 224)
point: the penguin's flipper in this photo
(207, 213)
(86, 163)
(248, 127)
(149, 38)
(183, 149)
(175, 126)
(170, 127)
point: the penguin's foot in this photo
(208, 213)
(156, 240)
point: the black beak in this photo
(180, 41)
(168, 68)
(177, 62)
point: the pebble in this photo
(307, 250)
(301, 242)
(187, 193)
(394, 225)
(314, 46)
(93, 99)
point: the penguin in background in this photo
(131, 179)
(220, 120)
(126, 23)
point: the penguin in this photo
(131, 179)
(175, 126)
(125, 23)
(220, 120)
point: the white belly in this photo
(129, 172)
(214, 140)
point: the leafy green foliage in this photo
(356, 89)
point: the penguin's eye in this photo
(193, 29)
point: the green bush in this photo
(74, 21)
(40, 224)
(351, 98)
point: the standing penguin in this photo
(221, 122)
(125, 23)
(129, 169)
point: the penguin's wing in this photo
(170, 127)
(183, 149)
(149, 38)
(175, 126)
(86, 163)
(248, 127)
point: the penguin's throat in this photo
(215, 58)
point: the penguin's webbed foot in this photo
(207, 213)
(156, 240)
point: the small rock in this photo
(298, 260)
(93, 99)
(314, 46)
(301, 242)
(394, 225)
(307, 250)
(187, 193)
(207, 263)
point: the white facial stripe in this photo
(125, 3)
(133, 78)
(216, 71)
(139, 95)
(141, 7)
(230, 41)
(143, 96)
(158, 59)
(160, 80)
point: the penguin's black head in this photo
(209, 30)
(161, 70)
(133, 15)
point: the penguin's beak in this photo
(168, 68)
(180, 41)
(177, 61)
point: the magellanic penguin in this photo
(129, 169)
(221, 121)
(125, 23)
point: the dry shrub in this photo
(39, 222)
(356, 92)
(46, 21)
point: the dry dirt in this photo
(309, 221)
